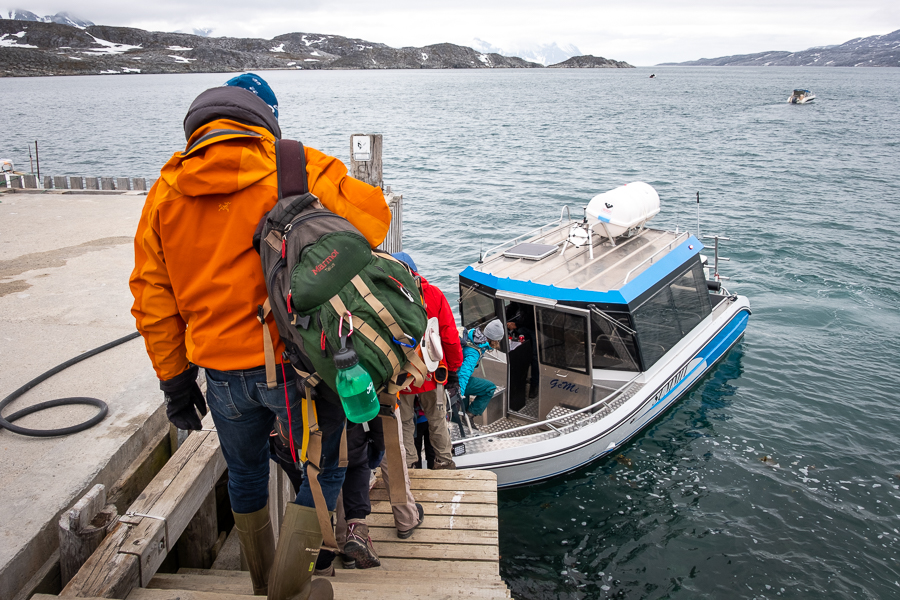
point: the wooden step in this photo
(207, 587)
(241, 585)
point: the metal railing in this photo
(650, 259)
(532, 233)
(549, 422)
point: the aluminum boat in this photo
(801, 97)
(614, 322)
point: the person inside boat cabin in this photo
(521, 329)
(475, 343)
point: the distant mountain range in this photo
(60, 45)
(874, 51)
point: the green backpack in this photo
(324, 282)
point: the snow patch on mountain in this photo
(63, 18)
(12, 41)
(545, 54)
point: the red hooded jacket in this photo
(436, 305)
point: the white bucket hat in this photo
(432, 351)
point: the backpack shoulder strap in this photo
(290, 160)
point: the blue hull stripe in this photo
(631, 290)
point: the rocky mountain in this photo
(30, 48)
(591, 62)
(874, 51)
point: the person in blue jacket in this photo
(475, 343)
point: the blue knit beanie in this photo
(256, 84)
(404, 257)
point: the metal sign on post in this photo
(362, 148)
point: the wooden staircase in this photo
(453, 554)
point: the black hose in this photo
(104, 409)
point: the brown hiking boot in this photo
(359, 545)
(443, 465)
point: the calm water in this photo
(810, 197)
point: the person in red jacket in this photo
(431, 394)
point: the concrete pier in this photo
(64, 265)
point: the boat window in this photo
(562, 340)
(667, 316)
(476, 308)
(614, 347)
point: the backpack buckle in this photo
(261, 314)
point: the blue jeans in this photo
(244, 411)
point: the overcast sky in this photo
(641, 32)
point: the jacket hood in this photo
(476, 337)
(229, 102)
(223, 157)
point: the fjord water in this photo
(778, 474)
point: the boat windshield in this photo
(614, 346)
(664, 318)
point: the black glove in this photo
(182, 396)
(452, 385)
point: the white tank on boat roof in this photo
(625, 207)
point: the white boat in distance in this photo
(619, 322)
(801, 97)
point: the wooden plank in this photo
(445, 567)
(60, 182)
(451, 474)
(141, 471)
(92, 183)
(436, 569)
(437, 536)
(241, 585)
(437, 522)
(416, 588)
(122, 183)
(465, 485)
(380, 494)
(404, 548)
(140, 184)
(157, 518)
(107, 183)
(52, 597)
(176, 498)
(445, 508)
(77, 183)
(107, 573)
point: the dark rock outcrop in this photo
(29, 48)
(590, 62)
(874, 51)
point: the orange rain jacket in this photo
(197, 281)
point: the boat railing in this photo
(549, 422)
(665, 248)
(532, 233)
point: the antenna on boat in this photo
(698, 215)
(481, 252)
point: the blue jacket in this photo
(472, 352)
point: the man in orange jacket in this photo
(197, 283)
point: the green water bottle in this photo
(355, 387)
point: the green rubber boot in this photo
(295, 558)
(258, 545)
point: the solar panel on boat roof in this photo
(531, 251)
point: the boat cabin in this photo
(583, 318)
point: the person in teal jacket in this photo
(475, 343)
